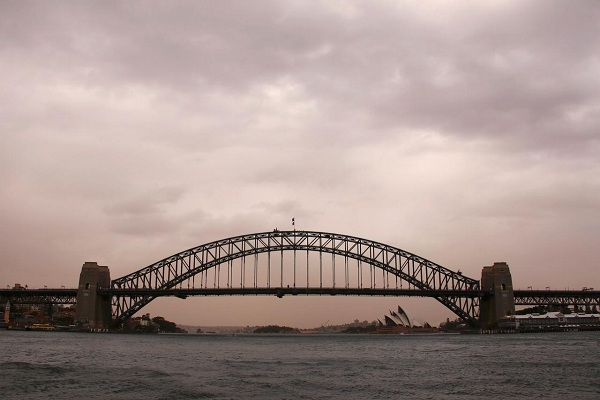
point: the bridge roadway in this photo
(522, 297)
(280, 292)
(39, 296)
(556, 297)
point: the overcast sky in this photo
(464, 132)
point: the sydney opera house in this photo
(397, 322)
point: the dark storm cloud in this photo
(515, 70)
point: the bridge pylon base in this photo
(499, 306)
(92, 310)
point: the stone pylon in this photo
(501, 303)
(93, 311)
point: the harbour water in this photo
(42, 365)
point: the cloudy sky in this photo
(465, 133)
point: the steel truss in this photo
(38, 296)
(458, 293)
(557, 297)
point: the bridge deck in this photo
(40, 296)
(522, 297)
(556, 297)
(280, 292)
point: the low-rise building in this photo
(552, 321)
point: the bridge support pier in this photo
(92, 310)
(501, 303)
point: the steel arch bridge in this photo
(321, 263)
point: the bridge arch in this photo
(452, 289)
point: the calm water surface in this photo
(42, 365)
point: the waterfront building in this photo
(552, 321)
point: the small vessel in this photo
(40, 327)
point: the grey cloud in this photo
(150, 203)
(495, 76)
(146, 214)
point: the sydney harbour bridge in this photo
(281, 263)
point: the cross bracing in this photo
(557, 297)
(38, 296)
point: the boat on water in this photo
(40, 327)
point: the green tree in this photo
(164, 325)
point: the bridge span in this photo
(281, 263)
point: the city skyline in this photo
(464, 133)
